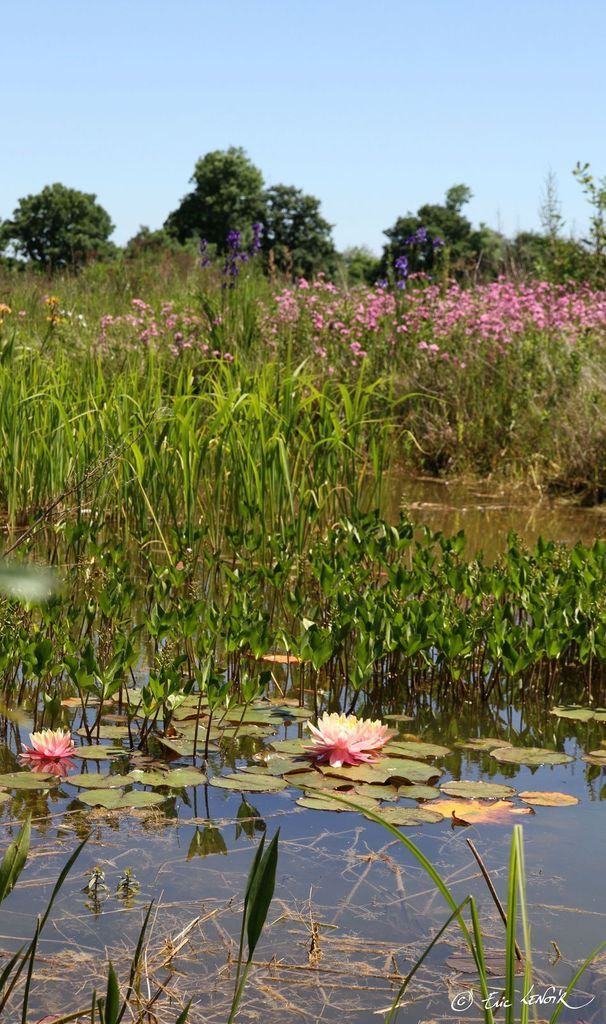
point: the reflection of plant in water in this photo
(127, 887)
(96, 889)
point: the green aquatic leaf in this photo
(243, 783)
(414, 749)
(398, 718)
(324, 803)
(96, 780)
(481, 790)
(115, 800)
(277, 766)
(575, 712)
(387, 768)
(597, 757)
(107, 732)
(98, 752)
(530, 756)
(418, 792)
(28, 780)
(486, 743)
(315, 780)
(378, 791)
(409, 816)
(176, 779)
(290, 746)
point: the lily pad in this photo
(96, 780)
(319, 803)
(114, 800)
(415, 749)
(398, 718)
(175, 780)
(378, 792)
(28, 780)
(410, 816)
(597, 757)
(291, 746)
(98, 752)
(548, 799)
(530, 755)
(246, 783)
(278, 766)
(315, 780)
(480, 812)
(485, 790)
(386, 768)
(574, 711)
(107, 732)
(418, 793)
(487, 743)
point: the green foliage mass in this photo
(227, 196)
(59, 227)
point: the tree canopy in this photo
(421, 236)
(58, 227)
(296, 234)
(227, 196)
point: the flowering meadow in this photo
(507, 377)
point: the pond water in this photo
(353, 909)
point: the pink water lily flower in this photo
(345, 739)
(48, 745)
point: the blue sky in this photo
(374, 107)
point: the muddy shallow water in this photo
(353, 910)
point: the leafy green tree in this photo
(360, 265)
(227, 196)
(296, 234)
(150, 244)
(419, 235)
(59, 227)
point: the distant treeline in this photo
(229, 206)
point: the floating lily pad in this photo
(96, 780)
(324, 803)
(28, 780)
(548, 799)
(597, 757)
(410, 816)
(315, 780)
(115, 800)
(575, 712)
(175, 780)
(378, 791)
(245, 783)
(418, 793)
(487, 743)
(415, 749)
(107, 732)
(398, 718)
(485, 790)
(291, 746)
(387, 768)
(480, 812)
(98, 752)
(278, 766)
(530, 755)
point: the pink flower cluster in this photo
(178, 330)
(448, 323)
